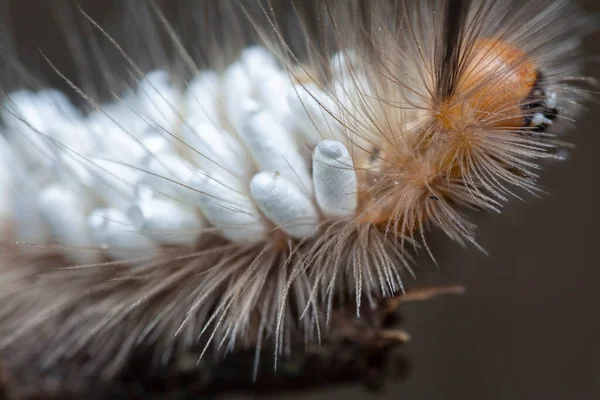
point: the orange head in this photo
(496, 80)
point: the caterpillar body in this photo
(290, 159)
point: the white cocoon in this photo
(274, 150)
(164, 220)
(284, 204)
(159, 100)
(335, 180)
(201, 97)
(113, 230)
(229, 209)
(65, 211)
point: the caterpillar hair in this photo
(223, 175)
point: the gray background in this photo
(529, 326)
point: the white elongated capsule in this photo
(215, 150)
(155, 142)
(39, 110)
(229, 209)
(335, 180)
(350, 81)
(116, 129)
(168, 174)
(6, 181)
(164, 220)
(274, 150)
(30, 225)
(284, 204)
(201, 97)
(113, 230)
(135, 150)
(75, 170)
(65, 210)
(244, 85)
(114, 182)
(159, 100)
(272, 92)
(238, 95)
(117, 113)
(312, 111)
(35, 119)
(119, 140)
(349, 93)
(258, 63)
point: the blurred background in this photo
(529, 325)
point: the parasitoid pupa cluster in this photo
(227, 177)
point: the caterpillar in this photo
(229, 177)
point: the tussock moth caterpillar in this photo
(243, 169)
